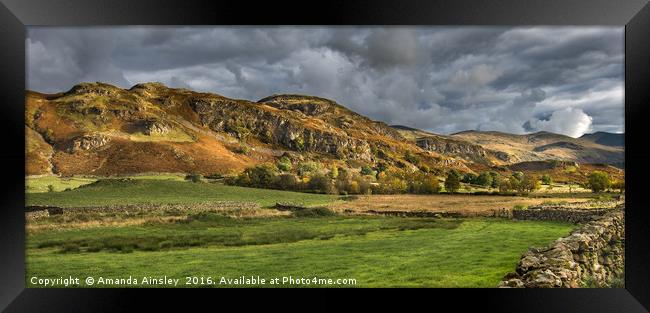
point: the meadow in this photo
(376, 251)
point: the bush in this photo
(50, 188)
(546, 179)
(260, 176)
(430, 185)
(288, 182)
(321, 183)
(367, 170)
(308, 167)
(314, 212)
(334, 172)
(619, 185)
(194, 177)
(284, 164)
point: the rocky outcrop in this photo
(592, 254)
(242, 119)
(541, 165)
(462, 149)
(88, 142)
(153, 128)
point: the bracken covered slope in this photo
(100, 129)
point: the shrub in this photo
(411, 158)
(546, 179)
(334, 172)
(599, 181)
(321, 183)
(288, 182)
(430, 185)
(50, 188)
(308, 167)
(242, 149)
(284, 164)
(619, 185)
(314, 212)
(261, 176)
(520, 207)
(366, 170)
(194, 177)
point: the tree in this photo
(599, 181)
(504, 186)
(321, 183)
(496, 179)
(530, 183)
(288, 182)
(452, 183)
(261, 176)
(484, 179)
(469, 178)
(514, 183)
(334, 172)
(430, 185)
(546, 179)
(620, 185)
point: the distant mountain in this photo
(605, 138)
(545, 145)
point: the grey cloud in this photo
(444, 79)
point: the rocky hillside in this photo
(544, 146)
(100, 129)
(451, 146)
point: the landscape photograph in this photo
(325, 156)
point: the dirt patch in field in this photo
(468, 205)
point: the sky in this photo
(567, 80)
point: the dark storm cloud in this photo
(444, 79)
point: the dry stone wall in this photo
(593, 253)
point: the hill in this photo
(605, 138)
(544, 146)
(100, 129)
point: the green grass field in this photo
(375, 251)
(147, 189)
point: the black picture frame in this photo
(15, 15)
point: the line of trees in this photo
(314, 177)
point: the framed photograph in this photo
(466, 148)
